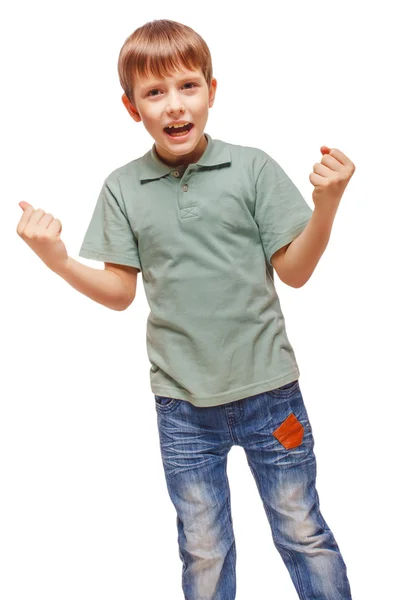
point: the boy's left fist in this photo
(330, 178)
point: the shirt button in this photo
(176, 174)
(185, 188)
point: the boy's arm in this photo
(114, 287)
(329, 178)
(296, 261)
(106, 286)
(128, 275)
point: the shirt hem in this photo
(232, 395)
(107, 257)
(286, 238)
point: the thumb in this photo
(325, 150)
(24, 205)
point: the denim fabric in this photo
(195, 442)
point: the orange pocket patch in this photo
(290, 433)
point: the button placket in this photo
(187, 203)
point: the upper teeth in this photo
(181, 125)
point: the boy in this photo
(207, 222)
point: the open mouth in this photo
(179, 132)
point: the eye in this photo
(156, 90)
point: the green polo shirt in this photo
(203, 236)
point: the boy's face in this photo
(182, 97)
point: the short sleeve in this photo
(109, 237)
(281, 212)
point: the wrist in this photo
(324, 214)
(63, 268)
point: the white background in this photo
(84, 507)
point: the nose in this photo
(174, 103)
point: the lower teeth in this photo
(180, 133)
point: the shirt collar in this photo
(216, 153)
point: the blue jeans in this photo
(274, 430)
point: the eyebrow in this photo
(196, 78)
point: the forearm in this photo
(303, 254)
(102, 286)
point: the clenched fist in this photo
(41, 231)
(330, 178)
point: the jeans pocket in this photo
(285, 390)
(164, 402)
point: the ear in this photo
(130, 108)
(212, 92)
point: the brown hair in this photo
(158, 48)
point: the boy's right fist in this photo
(41, 231)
